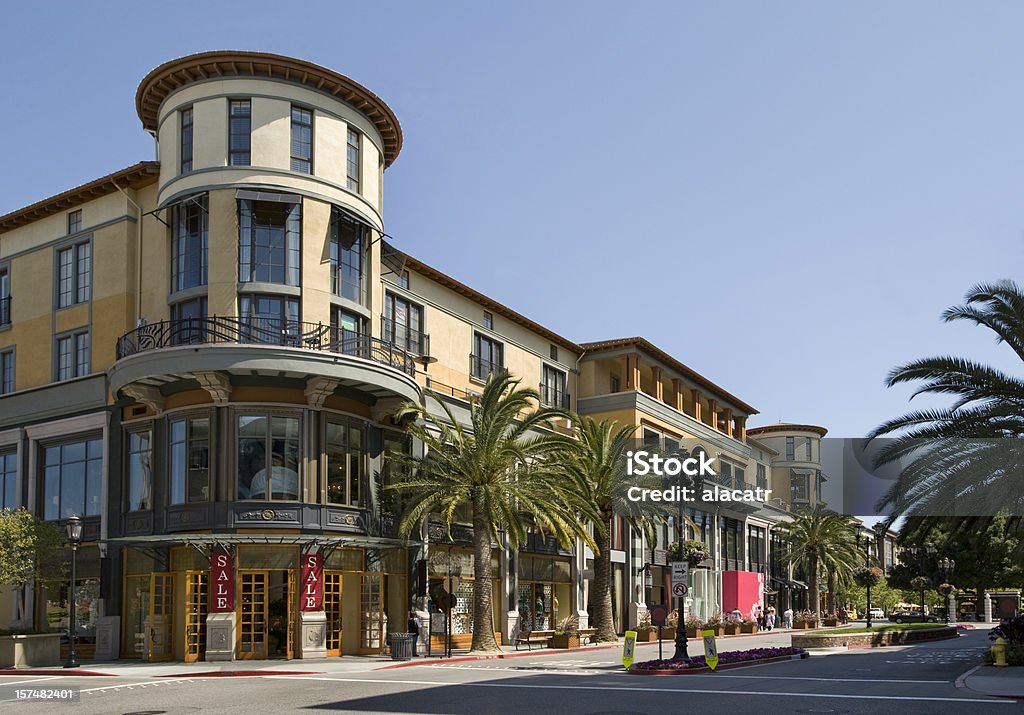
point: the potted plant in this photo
(732, 625)
(867, 576)
(645, 632)
(692, 551)
(805, 619)
(567, 633)
(693, 625)
(714, 623)
(748, 625)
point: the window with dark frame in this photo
(74, 221)
(7, 371)
(72, 355)
(9, 479)
(74, 274)
(403, 280)
(5, 296)
(348, 248)
(348, 330)
(72, 479)
(552, 388)
(403, 324)
(352, 160)
(790, 449)
(613, 383)
(189, 245)
(269, 319)
(488, 320)
(270, 241)
(302, 140)
(189, 442)
(762, 476)
(346, 458)
(488, 356)
(553, 352)
(239, 132)
(188, 321)
(185, 117)
(268, 457)
(140, 471)
(809, 443)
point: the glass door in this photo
(371, 604)
(161, 588)
(197, 594)
(332, 607)
(252, 615)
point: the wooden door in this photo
(332, 608)
(291, 598)
(161, 589)
(197, 595)
(252, 615)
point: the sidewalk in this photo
(1000, 682)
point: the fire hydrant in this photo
(999, 653)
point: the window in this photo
(239, 132)
(74, 267)
(553, 352)
(189, 244)
(190, 460)
(488, 356)
(740, 477)
(73, 355)
(403, 324)
(762, 477)
(731, 538)
(725, 475)
(72, 479)
(186, 140)
(348, 330)
(613, 383)
(552, 389)
(302, 140)
(269, 319)
(8, 480)
(7, 371)
(352, 160)
(188, 322)
(488, 320)
(345, 460)
(809, 445)
(348, 243)
(268, 457)
(798, 486)
(270, 237)
(790, 449)
(5, 297)
(74, 221)
(403, 280)
(756, 545)
(140, 471)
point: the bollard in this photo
(999, 652)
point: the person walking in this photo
(770, 618)
(414, 628)
(787, 618)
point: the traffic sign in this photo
(679, 590)
(628, 649)
(680, 572)
(659, 615)
(710, 650)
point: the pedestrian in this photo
(770, 618)
(787, 618)
(414, 628)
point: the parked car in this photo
(913, 617)
(877, 614)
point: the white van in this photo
(877, 614)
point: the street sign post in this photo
(628, 649)
(710, 650)
(680, 587)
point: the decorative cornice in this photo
(217, 384)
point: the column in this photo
(578, 607)
(659, 390)
(677, 391)
(728, 421)
(741, 428)
(697, 409)
(713, 413)
(510, 585)
(633, 371)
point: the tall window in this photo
(552, 388)
(270, 239)
(403, 280)
(762, 476)
(756, 548)
(239, 132)
(613, 383)
(790, 449)
(352, 160)
(348, 329)
(186, 140)
(74, 281)
(5, 296)
(725, 475)
(7, 371)
(74, 221)
(798, 486)
(190, 460)
(731, 538)
(346, 456)
(488, 356)
(809, 446)
(9, 480)
(403, 324)
(488, 320)
(268, 457)
(348, 242)
(72, 479)
(140, 471)
(269, 319)
(189, 245)
(73, 355)
(302, 140)
(188, 322)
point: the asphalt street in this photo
(912, 679)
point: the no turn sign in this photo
(679, 590)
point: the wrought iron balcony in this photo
(481, 369)
(402, 336)
(263, 331)
(552, 396)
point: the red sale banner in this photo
(222, 582)
(312, 595)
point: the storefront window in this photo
(140, 472)
(345, 459)
(268, 457)
(190, 460)
(72, 479)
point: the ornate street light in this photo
(922, 581)
(680, 653)
(867, 563)
(74, 533)
(946, 565)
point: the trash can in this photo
(401, 645)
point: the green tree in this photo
(30, 551)
(821, 540)
(504, 470)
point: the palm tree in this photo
(943, 472)
(503, 470)
(821, 540)
(598, 456)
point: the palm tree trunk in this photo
(604, 620)
(833, 584)
(815, 595)
(483, 617)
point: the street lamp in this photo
(946, 565)
(867, 563)
(74, 532)
(680, 653)
(923, 553)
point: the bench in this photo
(530, 637)
(587, 635)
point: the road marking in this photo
(638, 689)
(129, 686)
(33, 680)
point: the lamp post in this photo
(946, 565)
(680, 653)
(923, 554)
(867, 562)
(74, 532)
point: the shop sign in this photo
(222, 582)
(312, 583)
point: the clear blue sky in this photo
(785, 194)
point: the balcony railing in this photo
(263, 331)
(404, 337)
(554, 396)
(481, 369)
(5, 310)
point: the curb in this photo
(725, 666)
(61, 671)
(502, 656)
(241, 673)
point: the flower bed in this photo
(728, 658)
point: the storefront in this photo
(450, 570)
(545, 591)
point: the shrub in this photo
(568, 626)
(1012, 631)
(735, 656)
(693, 622)
(691, 550)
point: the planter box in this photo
(668, 634)
(830, 622)
(565, 640)
(732, 630)
(875, 639)
(804, 625)
(748, 628)
(30, 651)
(691, 632)
(647, 636)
